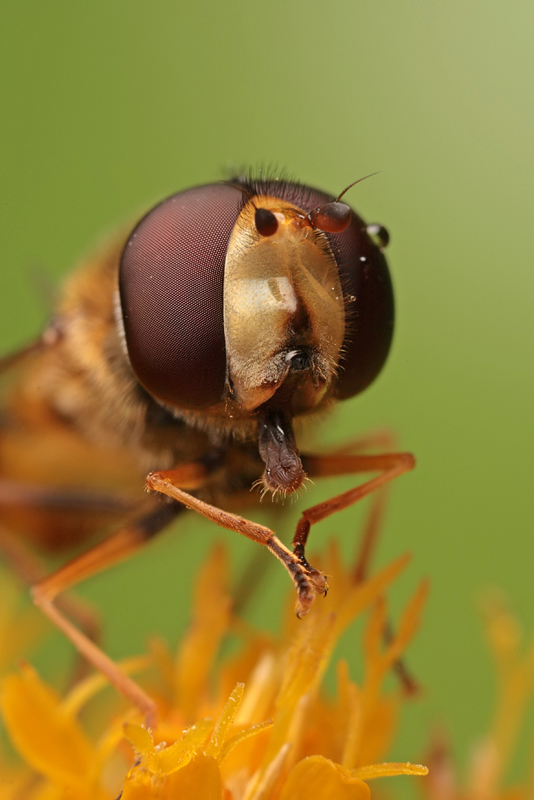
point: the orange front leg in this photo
(391, 465)
(308, 581)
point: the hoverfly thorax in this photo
(284, 318)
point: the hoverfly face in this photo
(249, 293)
(283, 306)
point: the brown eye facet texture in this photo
(171, 290)
(370, 308)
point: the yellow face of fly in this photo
(281, 293)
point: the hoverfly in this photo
(179, 359)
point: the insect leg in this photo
(30, 569)
(51, 335)
(22, 559)
(15, 493)
(115, 548)
(381, 440)
(391, 465)
(12, 359)
(308, 581)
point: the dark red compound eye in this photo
(171, 289)
(369, 309)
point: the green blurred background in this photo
(108, 107)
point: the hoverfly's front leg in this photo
(381, 440)
(308, 581)
(391, 465)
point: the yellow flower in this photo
(486, 769)
(255, 727)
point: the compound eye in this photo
(171, 291)
(369, 308)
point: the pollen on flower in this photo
(256, 725)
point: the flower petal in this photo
(321, 779)
(199, 780)
(51, 741)
(222, 726)
(389, 769)
(202, 641)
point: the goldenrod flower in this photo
(255, 727)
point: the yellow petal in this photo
(201, 642)
(304, 667)
(362, 595)
(183, 750)
(409, 622)
(93, 683)
(222, 726)
(140, 739)
(199, 780)
(141, 785)
(321, 779)
(379, 726)
(157, 762)
(52, 742)
(248, 733)
(389, 769)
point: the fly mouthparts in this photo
(277, 447)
